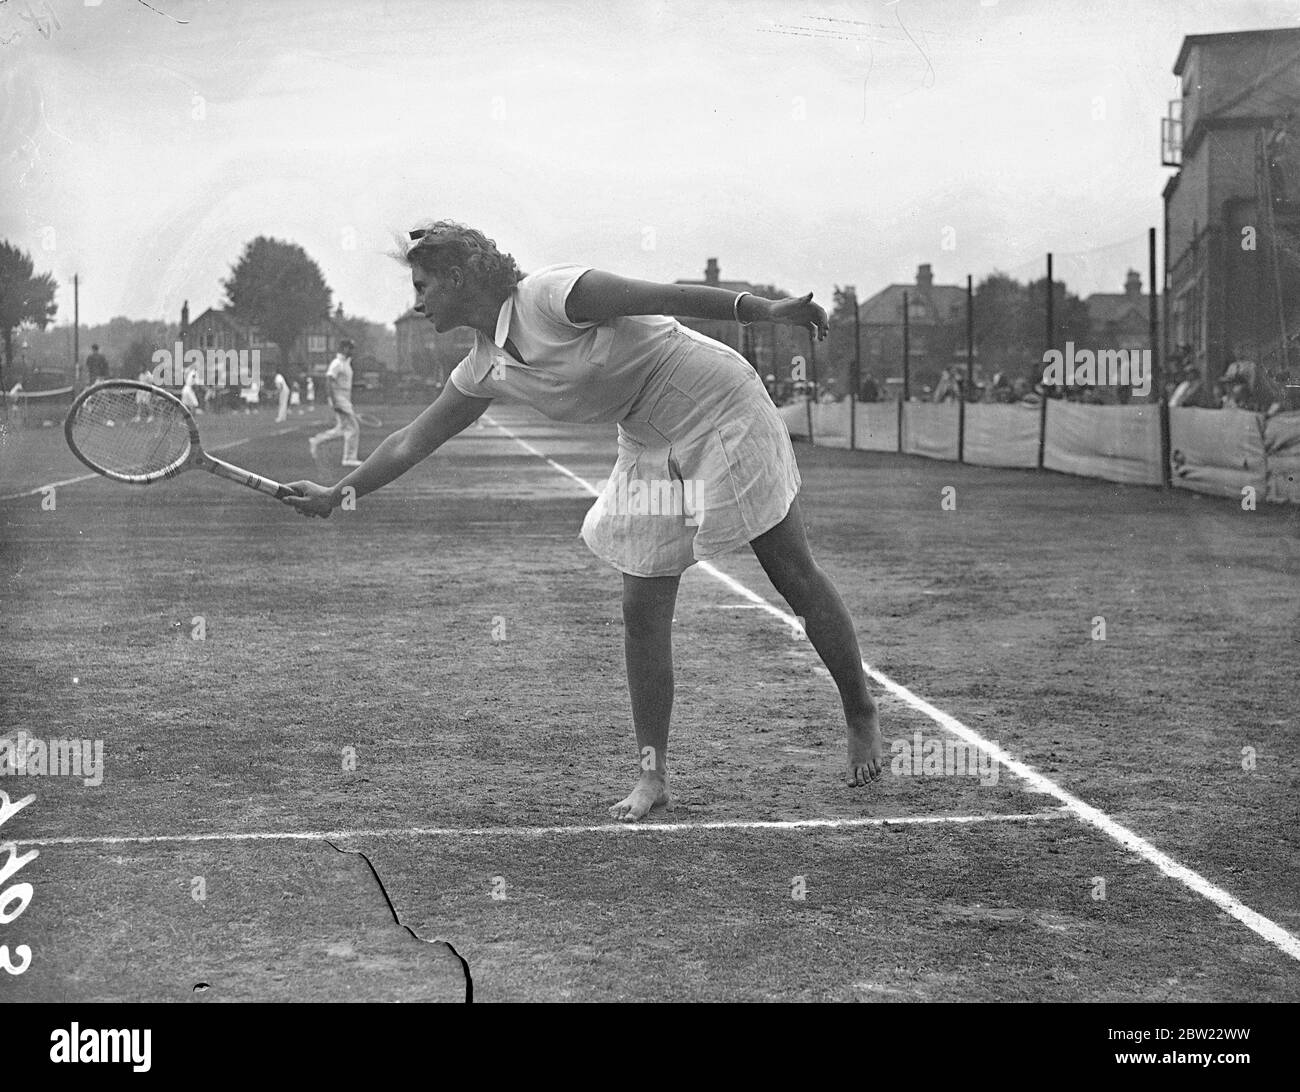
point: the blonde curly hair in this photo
(441, 244)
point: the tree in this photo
(25, 299)
(276, 287)
(835, 358)
(1001, 323)
(1011, 323)
(137, 358)
(1070, 321)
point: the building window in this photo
(316, 343)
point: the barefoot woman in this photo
(582, 345)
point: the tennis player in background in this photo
(583, 345)
(338, 386)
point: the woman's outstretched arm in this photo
(450, 413)
(598, 296)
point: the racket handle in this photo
(247, 477)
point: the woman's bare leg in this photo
(783, 552)
(648, 603)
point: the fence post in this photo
(907, 372)
(855, 379)
(1042, 408)
(964, 392)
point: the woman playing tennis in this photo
(694, 424)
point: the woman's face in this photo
(437, 298)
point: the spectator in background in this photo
(311, 393)
(189, 399)
(143, 399)
(1245, 386)
(1190, 390)
(1291, 391)
(338, 380)
(946, 390)
(282, 392)
(869, 390)
(96, 365)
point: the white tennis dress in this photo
(705, 464)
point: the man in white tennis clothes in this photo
(282, 395)
(338, 385)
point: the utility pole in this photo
(1051, 337)
(76, 331)
(855, 382)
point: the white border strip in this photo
(1093, 817)
(537, 832)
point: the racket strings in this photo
(130, 431)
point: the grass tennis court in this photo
(455, 642)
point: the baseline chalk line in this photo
(538, 832)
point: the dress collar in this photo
(503, 321)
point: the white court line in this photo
(87, 477)
(1094, 817)
(536, 832)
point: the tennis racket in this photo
(139, 434)
(370, 420)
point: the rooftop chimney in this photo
(924, 277)
(1133, 283)
(711, 271)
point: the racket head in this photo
(131, 432)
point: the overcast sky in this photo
(802, 144)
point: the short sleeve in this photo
(548, 290)
(462, 378)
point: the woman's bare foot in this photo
(866, 751)
(650, 791)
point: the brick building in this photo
(1232, 210)
(1121, 320)
(936, 330)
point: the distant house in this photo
(936, 329)
(310, 353)
(425, 352)
(1121, 320)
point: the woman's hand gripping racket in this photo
(139, 434)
